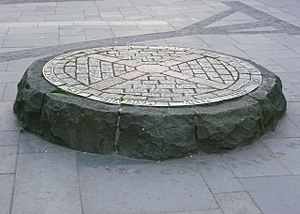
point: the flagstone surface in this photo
(39, 177)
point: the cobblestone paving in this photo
(152, 76)
(38, 177)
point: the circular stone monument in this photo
(149, 102)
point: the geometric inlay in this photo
(152, 76)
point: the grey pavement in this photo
(37, 177)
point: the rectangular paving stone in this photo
(288, 151)
(10, 17)
(6, 107)
(285, 128)
(20, 65)
(125, 32)
(250, 39)
(33, 17)
(273, 54)
(71, 31)
(214, 211)
(34, 30)
(290, 90)
(65, 17)
(217, 175)
(287, 40)
(140, 188)
(229, 49)
(290, 63)
(10, 77)
(2, 89)
(158, 26)
(218, 39)
(275, 194)
(293, 108)
(3, 66)
(8, 156)
(261, 46)
(255, 160)
(28, 42)
(30, 143)
(46, 183)
(111, 15)
(92, 34)
(237, 203)
(3, 29)
(10, 92)
(187, 41)
(71, 39)
(275, 68)
(159, 42)
(295, 119)
(8, 138)
(6, 189)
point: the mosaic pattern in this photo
(152, 76)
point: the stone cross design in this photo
(144, 69)
(152, 76)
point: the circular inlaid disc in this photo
(152, 76)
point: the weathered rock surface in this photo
(156, 132)
(146, 132)
(79, 124)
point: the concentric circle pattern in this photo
(152, 76)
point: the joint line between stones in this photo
(117, 131)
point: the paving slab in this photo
(214, 211)
(46, 174)
(285, 129)
(10, 77)
(273, 54)
(291, 63)
(293, 108)
(71, 39)
(10, 92)
(3, 66)
(30, 143)
(6, 190)
(8, 120)
(55, 189)
(275, 68)
(95, 33)
(236, 203)
(218, 175)
(287, 151)
(8, 156)
(188, 41)
(19, 65)
(28, 42)
(141, 188)
(256, 160)
(8, 138)
(33, 30)
(2, 89)
(295, 119)
(275, 194)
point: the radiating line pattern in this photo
(152, 76)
